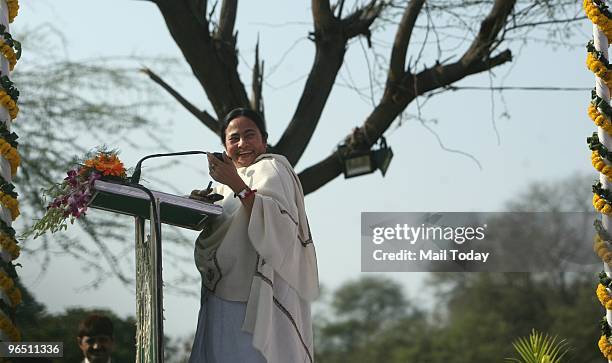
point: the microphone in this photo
(135, 178)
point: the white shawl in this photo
(285, 278)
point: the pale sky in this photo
(544, 139)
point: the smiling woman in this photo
(257, 260)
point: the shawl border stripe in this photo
(283, 310)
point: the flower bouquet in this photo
(71, 197)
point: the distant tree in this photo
(38, 325)
(475, 317)
(67, 108)
(361, 310)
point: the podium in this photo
(159, 208)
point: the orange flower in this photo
(106, 164)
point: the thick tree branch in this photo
(321, 14)
(213, 62)
(489, 30)
(227, 19)
(198, 8)
(402, 39)
(331, 37)
(320, 174)
(203, 116)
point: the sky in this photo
(543, 139)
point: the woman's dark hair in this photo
(248, 113)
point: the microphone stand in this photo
(158, 327)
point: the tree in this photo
(63, 99)
(208, 41)
(361, 310)
(66, 106)
(474, 317)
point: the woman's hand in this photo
(204, 195)
(225, 172)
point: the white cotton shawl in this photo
(283, 278)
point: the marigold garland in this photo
(11, 155)
(8, 136)
(599, 68)
(9, 245)
(600, 205)
(598, 13)
(604, 297)
(600, 165)
(11, 204)
(8, 53)
(8, 286)
(9, 104)
(600, 247)
(599, 119)
(9, 95)
(6, 229)
(9, 47)
(9, 329)
(605, 347)
(13, 9)
(599, 153)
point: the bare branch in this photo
(489, 30)
(213, 62)
(402, 39)
(340, 8)
(330, 38)
(227, 19)
(203, 116)
(258, 70)
(397, 96)
(359, 22)
(556, 21)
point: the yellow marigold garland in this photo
(9, 54)
(9, 245)
(9, 103)
(600, 247)
(599, 119)
(597, 17)
(604, 297)
(8, 286)
(11, 154)
(11, 204)
(601, 166)
(9, 329)
(600, 204)
(13, 9)
(605, 347)
(599, 68)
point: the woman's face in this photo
(243, 141)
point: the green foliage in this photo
(66, 108)
(539, 348)
(36, 324)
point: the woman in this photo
(257, 260)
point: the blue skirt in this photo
(219, 337)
